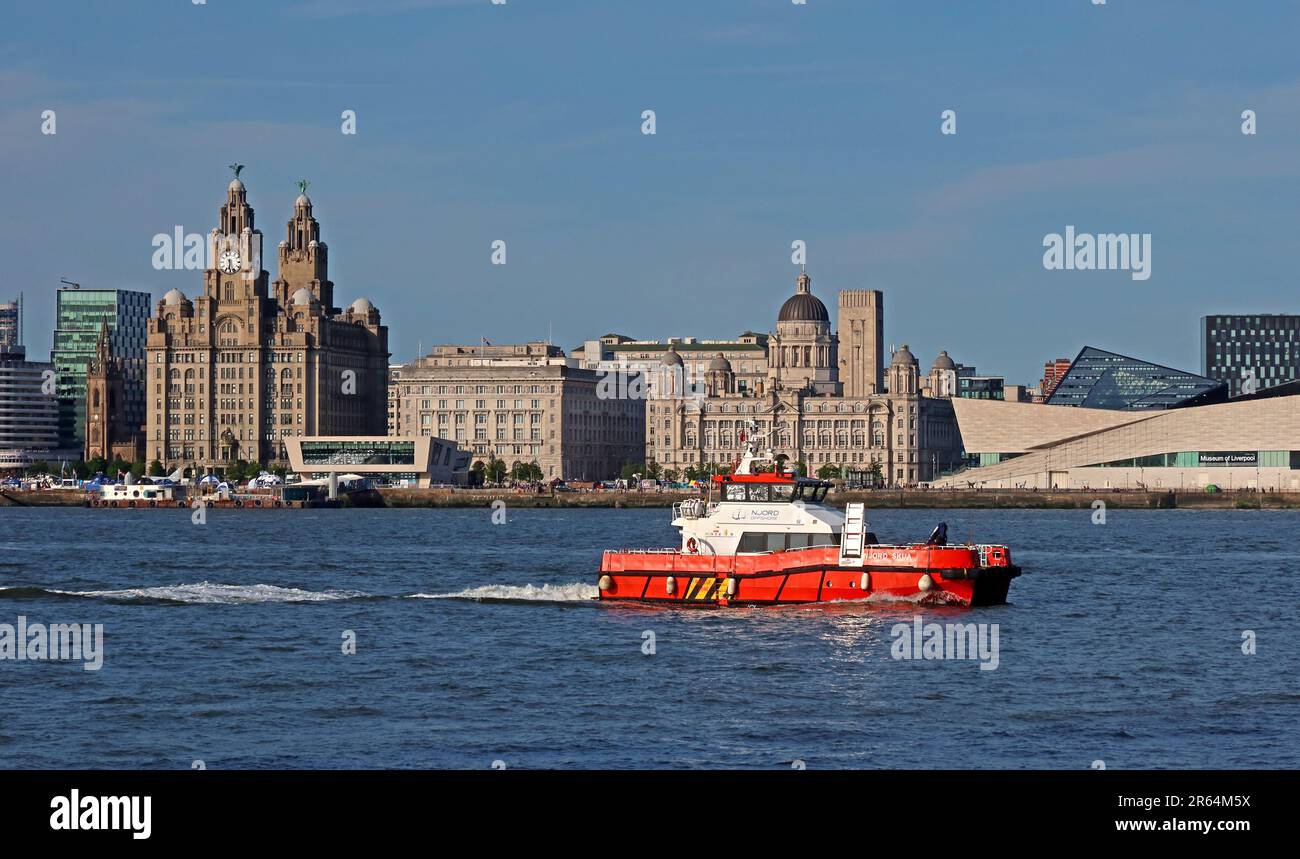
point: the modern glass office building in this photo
(1105, 380)
(79, 314)
(28, 413)
(1251, 353)
(11, 319)
(981, 387)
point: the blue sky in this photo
(776, 122)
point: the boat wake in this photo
(571, 593)
(202, 593)
(933, 598)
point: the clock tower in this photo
(235, 272)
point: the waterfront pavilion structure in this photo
(1245, 443)
(422, 460)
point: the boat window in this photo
(735, 492)
(812, 493)
(800, 541)
(776, 542)
(782, 493)
(757, 492)
(752, 542)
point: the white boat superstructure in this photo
(142, 494)
(759, 507)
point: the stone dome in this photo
(943, 362)
(803, 306)
(302, 296)
(904, 356)
(173, 297)
(362, 306)
(303, 201)
(671, 357)
(235, 185)
(720, 362)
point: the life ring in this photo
(180, 503)
(130, 504)
(153, 503)
(238, 503)
(279, 504)
(692, 546)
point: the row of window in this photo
(478, 389)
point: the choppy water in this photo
(479, 643)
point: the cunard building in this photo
(249, 362)
(826, 398)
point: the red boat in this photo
(768, 539)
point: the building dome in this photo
(173, 297)
(236, 185)
(943, 362)
(362, 306)
(803, 306)
(671, 358)
(720, 362)
(303, 201)
(302, 296)
(904, 356)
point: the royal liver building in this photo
(249, 362)
(825, 399)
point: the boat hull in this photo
(926, 574)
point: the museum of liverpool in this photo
(1115, 422)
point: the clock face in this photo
(229, 262)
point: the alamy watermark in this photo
(182, 251)
(920, 640)
(1073, 251)
(624, 381)
(61, 642)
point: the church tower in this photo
(106, 430)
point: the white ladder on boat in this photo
(854, 535)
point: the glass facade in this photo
(1210, 459)
(980, 460)
(1104, 380)
(358, 453)
(10, 323)
(79, 313)
(1237, 349)
(981, 387)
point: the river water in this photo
(478, 643)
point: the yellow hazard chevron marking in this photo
(701, 589)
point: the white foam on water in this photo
(208, 592)
(930, 598)
(575, 592)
